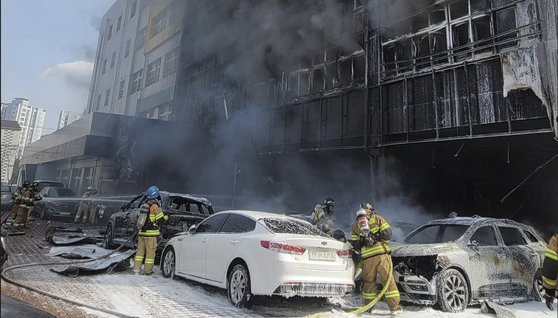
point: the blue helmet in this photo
(152, 192)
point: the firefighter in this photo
(149, 219)
(35, 196)
(22, 201)
(85, 205)
(322, 217)
(550, 271)
(370, 232)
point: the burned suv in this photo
(183, 211)
(459, 261)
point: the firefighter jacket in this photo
(155, 218)
(380, 234)
(26, 197)
(550, 266)
(88, 194)
(320, 216)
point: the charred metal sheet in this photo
(77, 252)
(72, 239)
(67, 235)
(115, 262)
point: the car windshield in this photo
(62, 193)
(288, 226)
(437, 233)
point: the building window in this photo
(118, 23)
(98, 102)
(127, 49)
(171, 61)
(121, 89)
(158, 24)
(104, 70)
(107, 96)
(135, 81)
(134, 7)
(152, 75)
(140, 39)
(113, 59)
(109, 31)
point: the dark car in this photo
(6, 199)
(47, 183)
(183, 211)
(60, 202)
(463, 260)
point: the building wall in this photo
(66, 118)
(10, 141)
(135, 48)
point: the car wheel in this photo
(238, 286)
(453, 292)
(109, 235)
(538, 289)
(168, 263)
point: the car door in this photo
(488, 257)
(522, 261)
(130, 219)
(222, 246)
(193, 250)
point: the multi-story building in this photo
(10, 141)
(450, 102)
(30, 119)
(66, 118)
(136, 60)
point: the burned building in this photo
(453, 103)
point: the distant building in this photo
(10, 140)
(30, 119)
(66, 118)
(136, 60)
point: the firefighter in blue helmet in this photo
(149, 219)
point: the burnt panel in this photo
(277, 137)
(359, 68)
(393, 107)
(459, 9)
(389, 59)
(304, 83)
(481, 31)
(444, 91)
(404, 55)
(331, 131)
(421, 110)
(460, 35)
(346, 71)
(439, 46)
(318, 79)
(525, 104)
(311, 124)
(437, 15)
(422, 51)
(479, 5)
(332, 77)
(504, 24)
(354, 118)
(293, 124)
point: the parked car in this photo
(183, 211)
(47, 183)
(6, 196)
(259, 253)
(63, 203)
(460, 261)
(57, 192)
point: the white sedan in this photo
(259, 253)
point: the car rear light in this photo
(344, 253)
(283, 248)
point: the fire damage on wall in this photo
(449, 103)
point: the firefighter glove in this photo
(549, 300)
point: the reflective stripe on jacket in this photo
(550, 265)
(156, 215)
(377, 225)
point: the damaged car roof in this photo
(473, 220)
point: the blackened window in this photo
(484, 236)
(511, 236)
(238, 224)
(211, 224)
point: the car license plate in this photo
(321, 256)
(65, 213)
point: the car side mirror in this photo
(192, 229)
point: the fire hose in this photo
(380, 294)
(73, 302)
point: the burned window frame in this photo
(479, 13)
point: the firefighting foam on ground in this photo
(293, 159)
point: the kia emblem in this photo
(324, 243)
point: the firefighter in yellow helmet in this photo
(550, 271)
(371, 233)
(149, 218)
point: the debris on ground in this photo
(116, 262)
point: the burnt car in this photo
(183, 211)
(63, 203)
(459, 261)
(48, 183)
